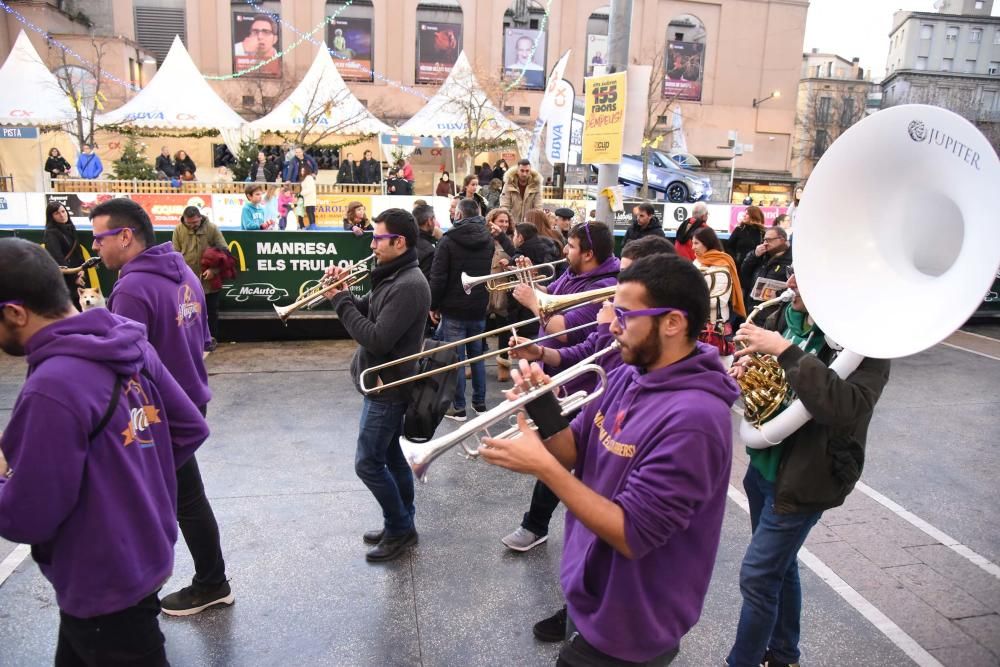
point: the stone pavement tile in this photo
(871, 540)
(821, 533)
(969, 577)
(851, 566)
(938, 591)
(918, 619)
(967, 655)
(986, 630)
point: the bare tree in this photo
(475, 98)
(258, 96)
(824, 114)
(658, 124)
(327, 113)
(82, 83)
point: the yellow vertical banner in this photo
(604, 118)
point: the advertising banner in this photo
(257, 42)
(524, 58)
(597, 53)
(165, 209)
(560, 123)
(350, 42)
(685, 71)
(545, 109)
(331, 209)
(79, 204)
(438, 46)
(604, 118)
(770, 213)
(16, 209)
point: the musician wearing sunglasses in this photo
(388, 323)
(643, 471)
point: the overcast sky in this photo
(859, 28)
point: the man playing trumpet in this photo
(643, 471)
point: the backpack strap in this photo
(112, 406)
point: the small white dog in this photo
(90, 298)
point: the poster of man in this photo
(438, 46)
(257, 40)
(597, 53)
(524, 57)
(685, 69)
(350, 41)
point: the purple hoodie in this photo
(604, 275)
(100, 513)
(160, 290)
(658, 444)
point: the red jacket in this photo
(222, 262)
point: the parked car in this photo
(685, 160)
(667, 180)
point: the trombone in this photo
(315, 295)
(548, 304)
(421, 455)
(508, 280)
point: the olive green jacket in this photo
(192, 244)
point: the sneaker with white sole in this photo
(457, 415)
(523, 539)
(190, 600)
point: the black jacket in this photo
(426, 245)
(165, 163)
(57, 166)
(369, 171)
(634, 231)
(742, 242)
(187, 164)
(398, 186)
(540, 250)
(467, 247)
(387, 323)
(765, 266)
(822, 460)
(270, 172)
(346, 172)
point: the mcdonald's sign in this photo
(237, 251)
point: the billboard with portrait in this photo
(350, 42)
(524, 57)
(256, 40)
(597, 52)
(685, 70)
(438, 46)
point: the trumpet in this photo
(421, 455)
(316, 294)
(89, 264)
(549, 304)
(508, 280)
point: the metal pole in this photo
(732, 176)
(619, 27)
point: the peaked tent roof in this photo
(29, 92)
(178, 97)
(321, 84)
(443, 115)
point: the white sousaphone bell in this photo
(897, 240)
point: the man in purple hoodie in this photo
(158, 289)
(89, 476)
(643, 471)
(592, 265)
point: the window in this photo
(439, 39)
(994, 69)
(822, 141)
(946, 64)
(524, 111)
(155, 28)
(823, 110)
(976, 35)
(970, 67)
(996, 38)
(508, 109)
(926, 31)
(921, 62)
(847, 112)
(684, 58)
(952, 33)
(249, 100)
(524, 45)
(597, 39)
(979, 4)
(349, 36)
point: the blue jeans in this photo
(380, 464)
(769, 579)
(450, 330)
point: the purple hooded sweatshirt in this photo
(658, 444)
(158, 289)
(600, 339)
(100, 512)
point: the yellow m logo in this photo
(238, 252)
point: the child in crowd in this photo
(253, 212)
(286, 202)
(300, 210)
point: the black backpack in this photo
(430, 397)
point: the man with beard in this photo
(643, 471)
(522, 191)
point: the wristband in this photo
(546, 412)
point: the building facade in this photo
(723, 54)
(833, 94)
(948, 60)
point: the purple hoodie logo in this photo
(139, 417)
(188, 307)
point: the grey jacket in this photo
(388, 323)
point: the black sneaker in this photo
(457, 415)
(479, 407)
(770, 661)
(552, 629)
(391, 548)
(190, 600)
(373, 536)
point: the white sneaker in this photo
(523, 539)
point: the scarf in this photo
(404, 261)
(687, 229)
(802, 333)
(719, 258)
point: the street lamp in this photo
(757, 103)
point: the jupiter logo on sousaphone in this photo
(917, 130)
(922, 134)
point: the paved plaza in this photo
(904, 573)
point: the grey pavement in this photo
(279, 470)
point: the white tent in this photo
(29, 92)
(324, 89)
(177, 98)
(445, 116)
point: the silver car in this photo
(667, 179)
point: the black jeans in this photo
(198, 525)
(212, 306)
(577, 652)
(128, 637)
(311, 212)
(539, 514)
